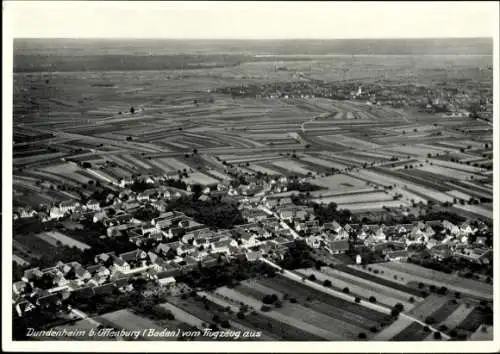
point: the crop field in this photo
(360, 287)
(407, 272)
(293, 314)
(54, 237)
(20, 261)
(429, 306)
(356, 198)
(200, 178)
(126, 319)
(340, 182)
(292, 166)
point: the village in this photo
(169, 243)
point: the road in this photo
(282, 222)
(373, 306)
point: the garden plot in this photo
(458, 316)
(20, 261)
(340, 182)
(348, 141)
(135, 161)
(430, 305)
(183, 316)
(459, 195)
(372, 205)
(291, 320)
(392, 330)
(292, 166)
(448, 172)
(477, 210)
(411, 272)
(343, 310)
(55, 238)
(456, 166)
(358, 287)
(386, 180)
(356, 198)
(127, 320)
(200, 178)
(262, 169)
(67, 170)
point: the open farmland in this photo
(408, 272)
(55, 238)
(127, 320)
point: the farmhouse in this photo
(338, 246)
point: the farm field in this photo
(127, 320)
(55, 237)
(411, 272)
(358, 287)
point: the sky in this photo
(259, 20)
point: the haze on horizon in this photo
(251, 20)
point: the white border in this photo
(210, 347)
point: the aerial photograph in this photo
(239, 188)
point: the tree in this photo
(132, 110)
(129, 138)
(372, 299)
(362, 335)
(327, 283)
(312, 277)
(346, 290)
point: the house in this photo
(223, 246)
(440, 252)
(397, 256)
(24, 307)
(338, 246)
(252, 256)
(475, 255)
(104, 258)
(333, 226)
(314, 241)
(199, 255)
(301, 215)
(80, 272)
(93, 204)
(31, 274)
(249, 240)
(135, 258)
(286, 215)
(120, 265)
(166, 281)
(49, 300)
(59, 280)
(164, 248)
(210, 261)
(466, 228)
(19, 287)
(452, 228)
(185, 249)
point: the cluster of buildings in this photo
(170, 243)
(437, 99)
